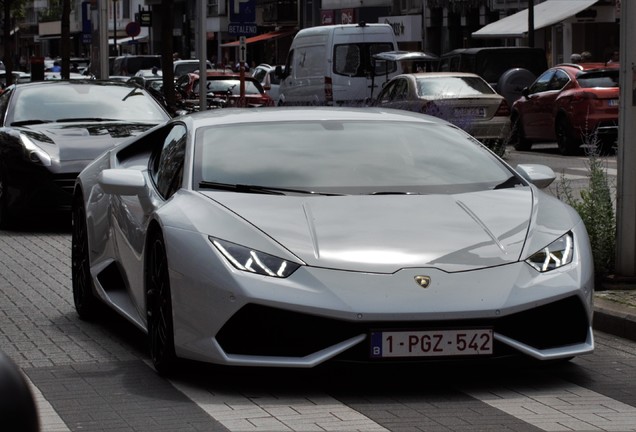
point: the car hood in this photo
(68, 142)
(386, 233)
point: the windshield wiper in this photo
(30, 122)
(134, 92)
(82, 119)
(393, 193)
(273, 190)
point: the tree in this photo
(65, 48)
(10, 8)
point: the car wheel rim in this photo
(159, 307)
(562, 138)
(80, 267)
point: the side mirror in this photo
(122, 181)
(279, 72)
(541, 176)
(525, 92)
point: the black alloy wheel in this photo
(567, 144)
(86, 304)
(159, 307)
(518, 136)
(6, 219)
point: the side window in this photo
(347, 59)
(401, 90)
(289, 63)
(4, 103)
(559, 80)
(182, 83)
(169, 163)
(309, 61)
(387, 92)
(542, 83)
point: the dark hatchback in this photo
(52, 129)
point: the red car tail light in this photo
(583, 97)
(503, 110)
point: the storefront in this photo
(562, 27)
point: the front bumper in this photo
(225, 316)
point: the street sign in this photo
(242, 50)
(145, 18)
(242, 11)
(242, 18)
(133, 29)
(236, 29)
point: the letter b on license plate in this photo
(431, 343)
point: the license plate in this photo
(469, 112)
(431, 343)
(612, 102)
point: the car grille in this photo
(65, 182)
(262, 330)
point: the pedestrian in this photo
(586, 56)
(614, 58)
(56, 67)
(175, 56)
(575, 58)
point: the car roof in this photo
(589, 66)
(441, 74)
(75, 82)
(278, 114)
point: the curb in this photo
(614, 318)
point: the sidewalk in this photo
(615, 312)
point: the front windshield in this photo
(347, 157)
(50, 103)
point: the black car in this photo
(52, 129)
(507, 69)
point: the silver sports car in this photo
(290, 237)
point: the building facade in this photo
(435, 26)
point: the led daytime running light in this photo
(253, 261)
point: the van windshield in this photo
(355, 60)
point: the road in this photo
(573, 170)
(95, 376)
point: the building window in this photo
(213, 8)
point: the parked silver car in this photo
(293, 236)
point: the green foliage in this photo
(53, 13)
(596, 207)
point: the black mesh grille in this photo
(261, 330)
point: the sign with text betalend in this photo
(242, 18)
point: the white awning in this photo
(545, 14)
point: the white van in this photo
(333, 65)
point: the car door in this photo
(396, 95)
(535, 109)
(132, 213)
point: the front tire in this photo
(86, 304)
(6, 218)
(518, 136)
(159, 307)
(567, 144)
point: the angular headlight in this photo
(555, 255)
(253, 261)
(35, 153)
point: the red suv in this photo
(572, 104)
(223, 90)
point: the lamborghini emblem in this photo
(423, 281)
